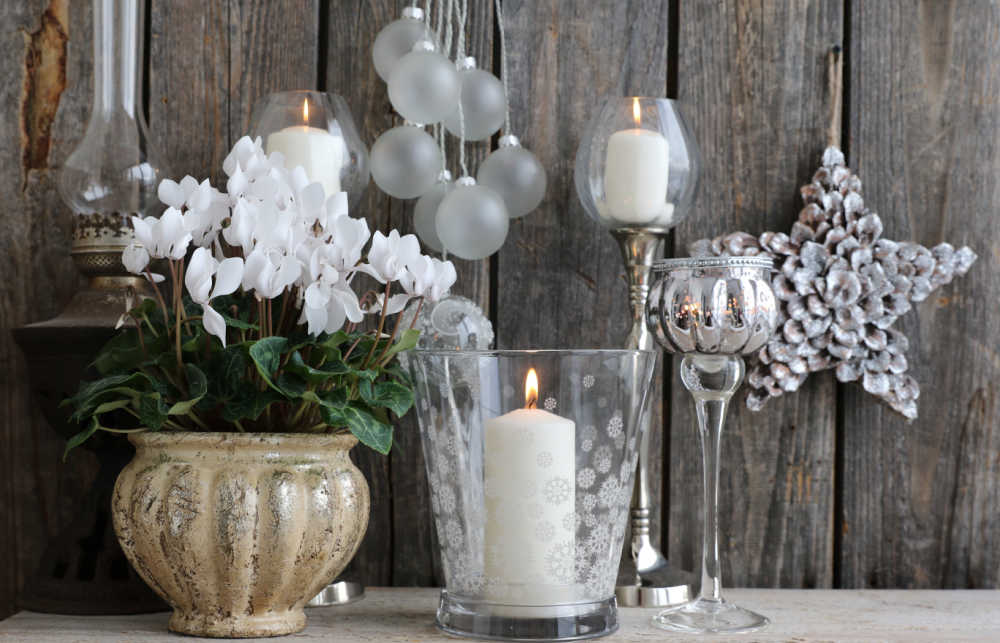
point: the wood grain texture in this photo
(560, 276)
(752, 78)
(921, 504)
(46, 52)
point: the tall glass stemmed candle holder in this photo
(636, 174)
(530, 458)
(713, 311)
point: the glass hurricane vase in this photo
(712, 311)
(530, 458)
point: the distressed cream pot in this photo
(238, 531)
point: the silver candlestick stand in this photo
(653, 582)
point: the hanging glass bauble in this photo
(424, 85)
(425, 212)
(405, 162)
(472, 220)
(453, 323)
(483, 103)
(516, 175)
(397, 39)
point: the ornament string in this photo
(835, 85)
(461, 15)
(503, 70)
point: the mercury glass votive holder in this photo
(530, 457)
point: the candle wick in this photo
(532, 402)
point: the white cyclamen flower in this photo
(136, 260)
(198, 279)
(164, 237)
(269, 272)
(444, 278)
(389, 256)
(327, 306)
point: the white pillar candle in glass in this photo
(635, 173)
(320, 153)
(530, 534)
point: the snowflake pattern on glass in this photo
(615, 426)
(602, 459)
(585, 478)
(545, 530)
(588, 381)
(544, 459)
(560, 562)
(557, 491)
(586, 445)
(550, 404)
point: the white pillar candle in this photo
(320, 153)
(530, 534)
(635, 175)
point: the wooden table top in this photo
(395, 615)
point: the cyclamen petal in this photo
(227, 277)
(170, 193)
(198, 275)
(135, 258)
(213, 323)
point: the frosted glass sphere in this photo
(425, 214)
(397, 39)
(472, 221)
(516, 175)
(482, 106)
(424, 87)
(405, 162)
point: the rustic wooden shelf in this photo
(396, 615)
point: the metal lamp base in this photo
(338, 593)
(650, 581)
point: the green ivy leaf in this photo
(81, 437)
(197, 387)
(317, 375)
(249, 404)
(393, 396)
(406, 341)
(359, 420)
(336, 398)
(291, 385)
(152, 411)
(266, 355)
(113, 405)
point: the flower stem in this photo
(381, 324)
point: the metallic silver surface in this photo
(338, 593)
(656, 583)
(717, 305)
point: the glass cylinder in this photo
(114, 171)
(314, 130)
(530, 457)
(637, 165)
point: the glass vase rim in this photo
(524, 352)
(695, 263)
(650, 98)
(299, 92)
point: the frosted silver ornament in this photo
(472, 220)
(453, 323)
(405, 162)
(425, 212)
(483, 103)
(516, 175)
(424, 85)
(397, 39)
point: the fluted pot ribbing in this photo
(238, 531)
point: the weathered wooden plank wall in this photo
(825, 488)
(921, 502)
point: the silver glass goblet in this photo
(713, 311)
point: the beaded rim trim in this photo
(694, 263)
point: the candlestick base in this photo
(473, 618)
(707, 616)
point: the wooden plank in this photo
(47, 57)
(561, 278)
(752, 77)
(921, 501)
(396, 615)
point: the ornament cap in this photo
(444, 177)
(509, 140)
(414, 13)
(466, 181)
(469, 62)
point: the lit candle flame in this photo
(636, 112)
(305, 110)
(531, 389)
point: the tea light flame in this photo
(305, 110)
(636, 112)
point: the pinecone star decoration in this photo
(841, 287)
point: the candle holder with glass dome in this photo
(636, 174)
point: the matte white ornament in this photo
(397, 39)
(405, 162)
(472, 220)
(516, 175)
(483, 103)
(424, 85)
(425, 212)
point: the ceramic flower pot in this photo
(238, 531)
